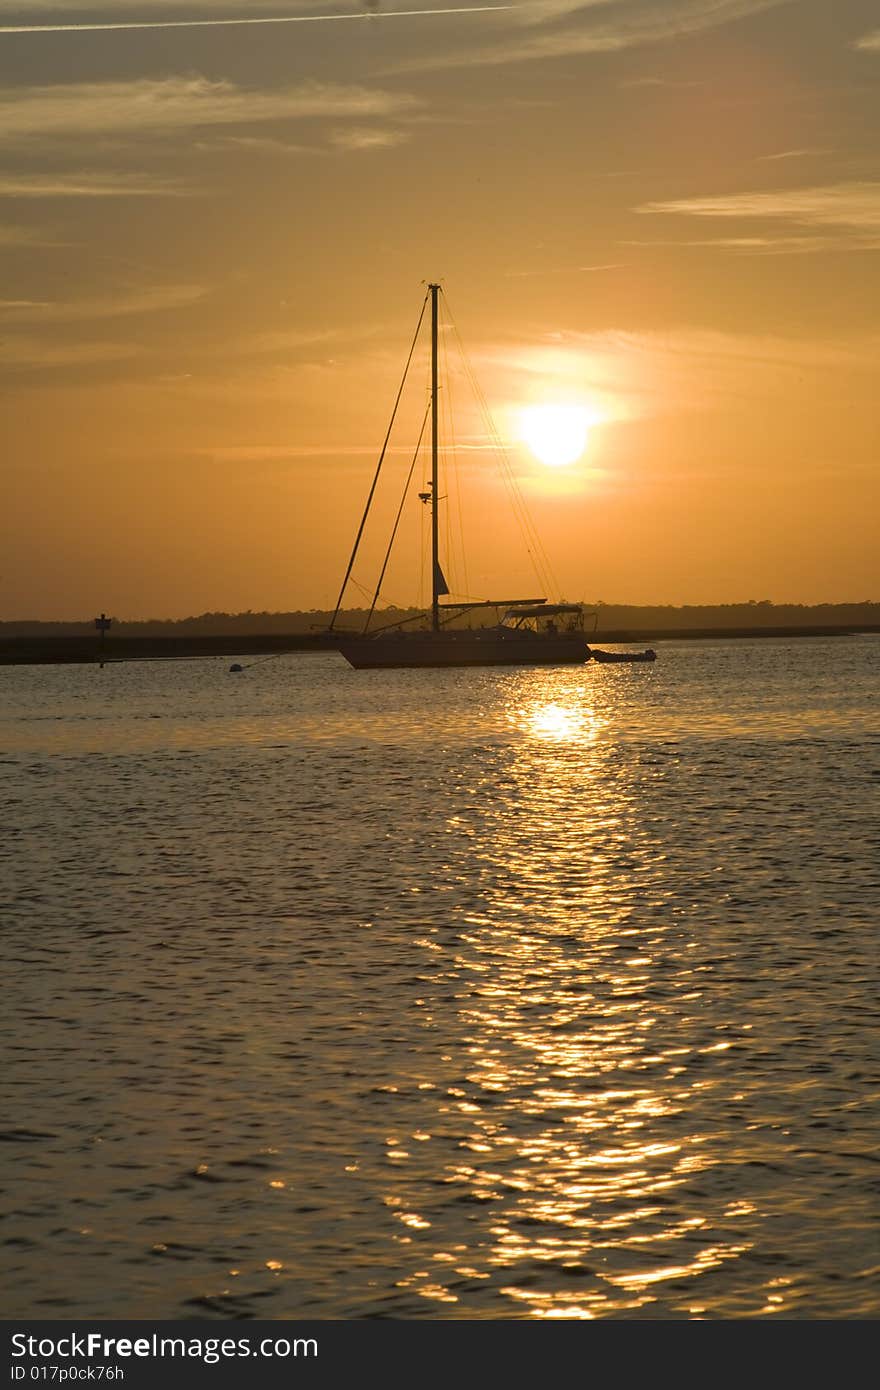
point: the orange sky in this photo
(215, 238)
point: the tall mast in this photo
(435, 491)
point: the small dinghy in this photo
(598, 655)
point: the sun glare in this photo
(556, 434)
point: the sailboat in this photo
(528, 632)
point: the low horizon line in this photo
(418, 608)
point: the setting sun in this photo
(556, 434)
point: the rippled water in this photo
(454, 994)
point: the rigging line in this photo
(451, 568)
(531, 535)
(529, 532)
(389, 602)
(361, 588)
(424, 527)
(531, 539)
(423, 549)
(453, 472)
(357, 539)
(534, 546)
(458, 487)
(397, 518)
(271, 657)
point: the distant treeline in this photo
(609, 617)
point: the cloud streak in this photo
(364, 138)
(213, 23)
(34, 354)
(174, 103)
(771, 245)
(795, 154)
(136, 301)
(616, 25)
(833, 205)
(88, 184)
(631, 375)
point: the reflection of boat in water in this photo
(598, 655)
(527, 631)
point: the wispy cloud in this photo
(171, 104)
(256, 144)
(869, 42)
(365, 138)
(629, 375)
(137, 301)
(769, 245)
(795, 154)
(39, 354)
(662, 82)
(564, 270)
(571, 27)
(260, 453)
(88, 184)
(284, 340)
(854, 205)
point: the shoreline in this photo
(84, 649)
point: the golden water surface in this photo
(518, 994)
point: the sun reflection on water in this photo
(530, 993)
(567, 723)
(581, 1042)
